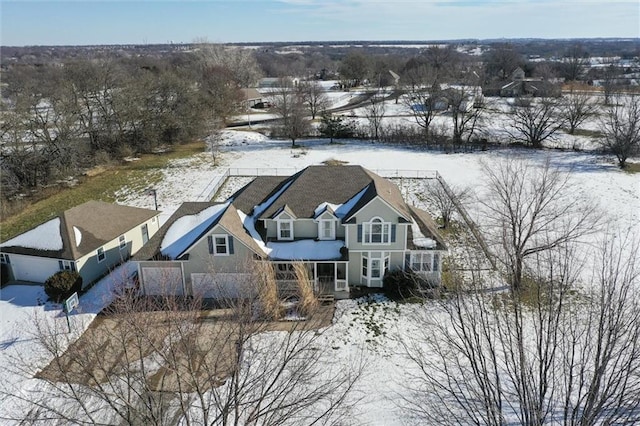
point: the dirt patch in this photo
(334, 162)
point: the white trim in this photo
(215, 244)
(388, 205)
(122, 241)
(377, 220)
(104, 255)
(279, 223)
(332, 233)
(433, 264)
(384, 260)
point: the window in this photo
(145, 233)
(4, 258)
(377, 232)
(365, 265)
(375, 265)
(67, 265)
(220, 245)
(425, 262)
(375, 268)
(327, 230)
(285, 230)
(100, 254)
(285, 272)
(122, 242)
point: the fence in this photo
(467, 219)
(288, 171)
(213, 186)
(216, 183)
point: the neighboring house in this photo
(276, 82)
(252, 97)
(347, 225)
(521, 86)
(90, 238)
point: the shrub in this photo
(62, 284)
(400, 285)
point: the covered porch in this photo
(329, 278)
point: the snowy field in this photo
(594, 178)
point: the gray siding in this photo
(377, 208)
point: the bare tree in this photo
(551, 356)
(531, 209)
(241, 62)
(609, 81)
(535, 122)
(620, 128)
(374, 112)
(577, 108)
(575, 63)
(436, 195)
(289, 105)
(314, 97)
(466, 107)
(166, 360)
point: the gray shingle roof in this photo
(98, 222)
(428, 227)
(229, 219)
(332, 184)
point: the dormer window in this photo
(326, 229)
(285, 229)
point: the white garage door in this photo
(26, 268)
(165, 281)
(221, 286)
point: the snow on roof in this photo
(183, 232)
(78, 234)
(419, 240)
(43, 237)
(339, 210)
(305, 250)
(260, 208)
(322, 207)
(249, 224)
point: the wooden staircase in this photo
(326, 298)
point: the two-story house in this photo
(91, 238)
(347, 225)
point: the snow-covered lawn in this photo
(21, 306)
(358, 325)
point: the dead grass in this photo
(632, 167)
(101, 186)
(334, 162)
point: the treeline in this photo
(58, 120)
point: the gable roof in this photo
(337, 185)
(259, 189)
(190, 222)
(427, 227)
(79, 230)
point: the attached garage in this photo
(26, 268)
(162, 280)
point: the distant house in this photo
(275, 82)
(345, 224)
(251, 97)
(521, 86)
(90, 238)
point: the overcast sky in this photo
(52, 22)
